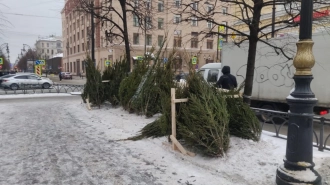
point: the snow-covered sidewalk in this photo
(61, 142)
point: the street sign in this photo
(221, 28)
(220, 42)
(1, 61)
(107, 63)
(40, 62)
(165, 60)
(38, 70)
(194, 60)
(233, 36)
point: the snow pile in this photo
(247, 162)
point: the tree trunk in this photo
(126, 39)
(250, 71)
(253, 40)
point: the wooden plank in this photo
(105, 81)
(191, 154)
(88, 104)
(173, 116)
(181, 100)
(176, 143)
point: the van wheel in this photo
(264, 117)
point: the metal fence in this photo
(277, 122)
(55, 88)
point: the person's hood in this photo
(225, 70)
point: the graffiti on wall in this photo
(278, 75)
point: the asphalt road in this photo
(43, 143)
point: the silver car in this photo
(26, 80)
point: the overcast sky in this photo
(28, 19)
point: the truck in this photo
(273, 75)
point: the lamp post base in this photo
(308, 176)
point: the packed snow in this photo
(61, 141)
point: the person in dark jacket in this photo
(227, 81)
(60, 76)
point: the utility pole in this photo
(93, 29)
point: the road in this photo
(283, 129)
(43, 143)
(76, 80)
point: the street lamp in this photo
(298, 167)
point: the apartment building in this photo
(49, 46)
(165, 19)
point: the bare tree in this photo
(29, 55)
(116, 30)
(250, 15)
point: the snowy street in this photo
(56, 140)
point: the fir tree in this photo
(93, 88)
(115, 74)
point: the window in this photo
(58, 45)
(83, 47)
(148, 5)
(47, 44)
(87, 32)
(78, 23)
(82, 20)
(67, 30)
(160, 23)
(136, 3)
(160, 40)
(160, 6)
(33, 77)
(149, 22)
(209, 44)
(42, 51)
(136, 38)
(194, 5)
(194, 39)
(82, 34)
(224, 10)
(74, 37)
(71, 51)
(52, 52)
(42, 44)
(21, 77)
(194, 21)
(74, 49)
(149, 40)
(74, 26)
(78, 48)
(135, 20)
(177, 42)
(78, 36)
(177, 19)
(209, 25)
(47, 50)
(212, 75)
(209, 8)
(177, 3)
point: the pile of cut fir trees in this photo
(204, 123)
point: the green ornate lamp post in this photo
(298, 167)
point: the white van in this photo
(211, 72)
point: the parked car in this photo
(26, 80)
(5, 76)
(66, 75)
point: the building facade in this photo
(165, 21)
(49, 46)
